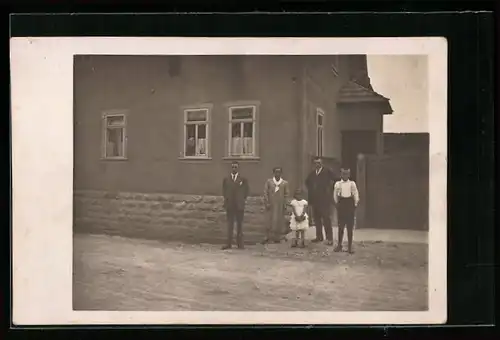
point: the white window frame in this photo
(320, 113)
(207, 124)
(104, 142)
(252, 120)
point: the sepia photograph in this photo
(255, 182)
(250, 183)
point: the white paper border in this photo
(42, 161)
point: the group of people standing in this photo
(324, 191)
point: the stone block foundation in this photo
(168, 217)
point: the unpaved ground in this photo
(114, 273)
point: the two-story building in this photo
(152, 132)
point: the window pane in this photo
(320, 142)
(242, 113)
(236, 130)
(247, 129)
(318, 138)
(196, 116)
(202, 131)
(114, 146)
(201, 143)
(201, 147)
(236, 146)
(236, 140)
(115, 120)
(320, 120)
(247, 145)
(247, 139)
(190, 140)
(190, 130)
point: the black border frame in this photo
(471, 262)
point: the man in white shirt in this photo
(346, 197)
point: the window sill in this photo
(114, 159)
(195, 159)
(242, 158)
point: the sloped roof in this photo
(353, 93)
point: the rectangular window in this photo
(320, 117)
(196, 134)
(242, 125)
(114, 136)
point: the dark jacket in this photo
(320, 187)
(235, 192)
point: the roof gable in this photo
(354, 93)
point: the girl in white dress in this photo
(299, 221)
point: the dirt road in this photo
(114, 273)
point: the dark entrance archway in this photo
(357, 142)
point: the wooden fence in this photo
(394, 191)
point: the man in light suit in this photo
(235, 192)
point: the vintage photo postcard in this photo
(229, 180)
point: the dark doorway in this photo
(354, 143)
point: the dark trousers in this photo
(235, 215)
(321, 215)
(345, 215)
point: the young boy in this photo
(346, 197)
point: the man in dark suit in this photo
(319, 185)
(235, 191)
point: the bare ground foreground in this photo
(115, 273)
